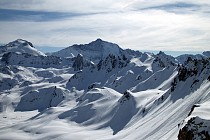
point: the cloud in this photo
(136, 24)
(81, 6)
(36, 16)
(177, 7)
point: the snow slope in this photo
(125, 94)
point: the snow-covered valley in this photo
(100, 91)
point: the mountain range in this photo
(101, 91)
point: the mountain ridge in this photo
(93, 51)
(120, 94)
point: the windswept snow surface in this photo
(135, 96)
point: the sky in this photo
(151, 25)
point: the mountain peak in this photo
(20, 42)
(101, 43)
(20, 46)
(93, 51)
(99, 40)
(161, 52)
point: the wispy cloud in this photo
(137, 24)
(37, 16)
(177, 7)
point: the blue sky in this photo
(137, 24)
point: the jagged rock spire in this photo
(78, 63)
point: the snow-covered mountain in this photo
(182, 58)
(100, 91)
(21, 52)
(25, 59)
(89, 78)
(20, 46)
(94, 51)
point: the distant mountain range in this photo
(101, 91)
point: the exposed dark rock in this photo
(173, 84)
(78, 63)
(182, 75)
(208, 78)
(126, 96)
(196, 128)
(6, 57)
(111, 62)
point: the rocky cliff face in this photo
(192, 68)
(78, 63)
(112, 62)
(95, 75)
(195, 129)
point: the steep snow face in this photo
(41, 99)
(202, 110)
(94, 51)
(115, 109)
(20, 46)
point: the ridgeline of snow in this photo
(103, 92)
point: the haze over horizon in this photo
(155, 25)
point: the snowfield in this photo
(100, 91)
